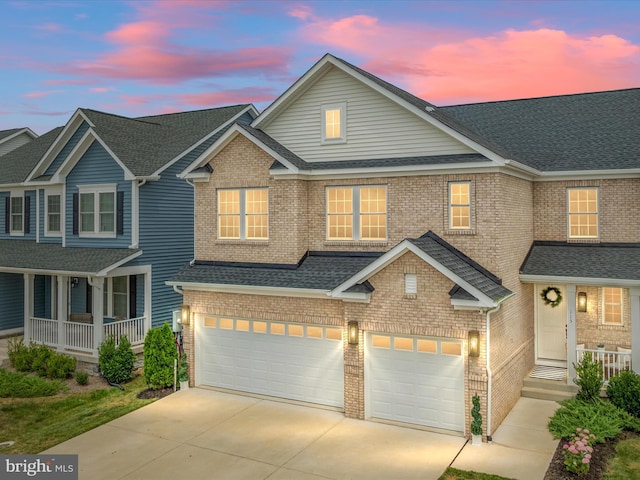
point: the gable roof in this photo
(6, 135)
(588, 131)
(593, 264)
(16, 165)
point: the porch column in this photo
(27, 306)
(571, 332)
(635, 328)
(97, 283)
(147, 301)
(63, 308)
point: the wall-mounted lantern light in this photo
(185, 315)
(582, 301)
(74, 281)
(474, 343)
(353, 333)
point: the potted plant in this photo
(476, 422)
(183, 372)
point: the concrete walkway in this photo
(208, 434)
(522, 446)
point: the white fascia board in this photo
(63, 137)
(352, 297)
(396, 252)
(252, 290)
(105, 271)
(617, 282)
(588, 174)
(249, 108)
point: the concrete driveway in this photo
(205, 434)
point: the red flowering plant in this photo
(577, 452)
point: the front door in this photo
(551, 330)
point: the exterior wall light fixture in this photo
(474, 343)
(353, 333)
(582, 301)
(185, 315)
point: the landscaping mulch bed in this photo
(602, 454)
(146, 394)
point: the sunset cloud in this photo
(466, 68)
(42, 93)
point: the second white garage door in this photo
(415, 380)
(293, 361)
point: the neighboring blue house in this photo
(95, 221)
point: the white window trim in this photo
(52, 193)
(451, 205)
(96, 190)
(342, 106)
(108, 290)
(12, 232)
(356, 214)
(597, 237)
(242, 214)
(603, 319)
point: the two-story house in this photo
(14, 138)
(361, 248)
(95, 220)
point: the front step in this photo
(547, 389)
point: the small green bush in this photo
(40, 354)
(19, 385)
(82, 377)
(589, 379)
(183, 368)
(19, 355)
(159, 354)
(60, 366)
(116, 362)
(476, 423)
(601, 418)
(624, 391)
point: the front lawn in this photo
(36, 424)
(455, 474)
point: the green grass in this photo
(455, 474)
(40, 423)
(19, 385)
(626, 464)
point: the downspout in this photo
(489, 372)
(192, 262)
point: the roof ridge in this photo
(194, 111)
(133, 119)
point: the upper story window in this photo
(612, 306)
(583, 212)
(243, 214)
(357, 213)
(17, 215)
(53, 214)
(97, 210)
(334, 123)
(460, 205)
(17, 209)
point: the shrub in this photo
(476, 423)
(159, 354)
(589, 379)
(602, 419)
(624, 391)
(577, 451)
(183, 368)
(59, 366)
(19, 355)
(18, 385)
(116, 362)
(82, 377)
(40, 355)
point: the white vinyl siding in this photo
(377, 126)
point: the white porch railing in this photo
(133, 328)
(78, 336)
(611, 363)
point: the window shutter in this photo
(133, 285)
(120, 214)
(7, 215)
(27, 214)
(76, 207)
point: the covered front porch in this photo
(586, 301)
(74, 298)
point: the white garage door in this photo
(416, 380)
(297, 362)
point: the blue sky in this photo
(155, 56)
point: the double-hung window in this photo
(583, 212)
(116, 297)
(460, 205)
(612, 306)
(17, 215)
(53, 214)
(243, 213)
(97, 210)
(357, 213)
(334, 125)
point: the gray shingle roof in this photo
(16, 165)
(8, 133)
(589, 131)
(318, 271)
(461, 265)
(556, 259)
(29, 255)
